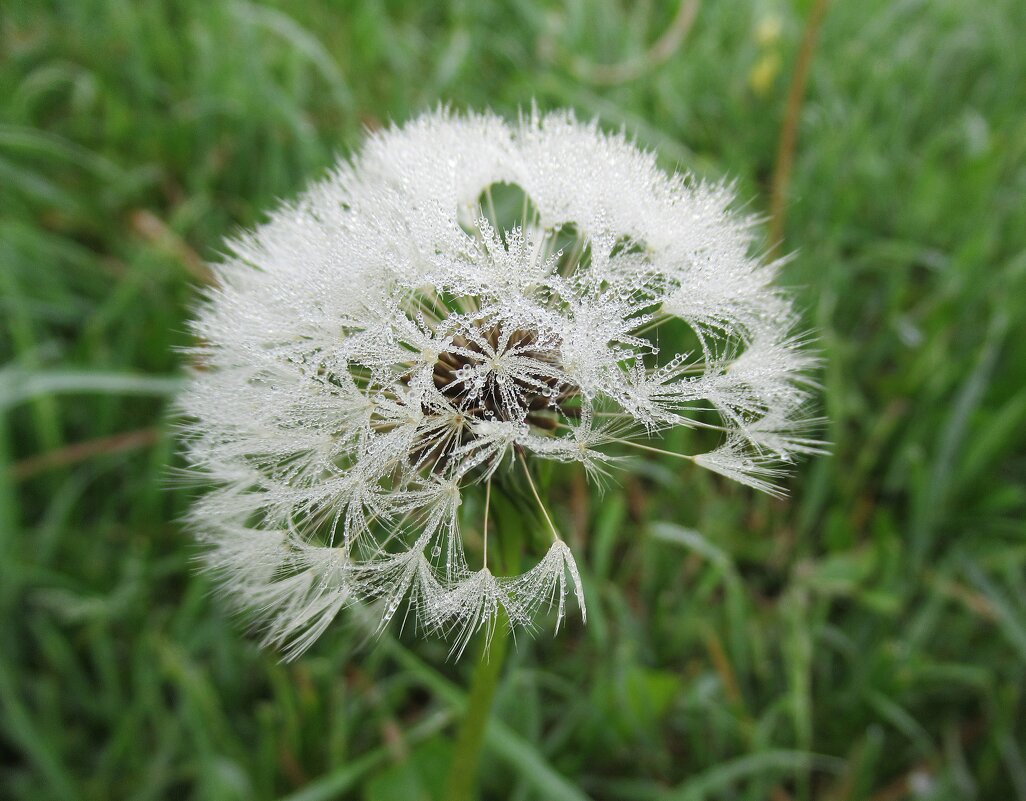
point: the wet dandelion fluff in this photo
(465, 298)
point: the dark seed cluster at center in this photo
(540, 402)
(542, 399)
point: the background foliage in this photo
(865, 639)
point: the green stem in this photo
(505, 560)
(467, 755)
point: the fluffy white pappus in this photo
(463, 298)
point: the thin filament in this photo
(488, 499)
(649, 448)
(537, 497)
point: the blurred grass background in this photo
(864, 639)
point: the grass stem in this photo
(789, 127)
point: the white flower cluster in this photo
(465, 297)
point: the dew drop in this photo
(436, 551)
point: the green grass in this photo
(864, 639)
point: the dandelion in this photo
(466, 298)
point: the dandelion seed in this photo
(390, 342)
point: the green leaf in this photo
(332, 785)
(420, 777)
(18, 386)
(749, 766)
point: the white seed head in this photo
(463, 296)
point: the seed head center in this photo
(495, 375)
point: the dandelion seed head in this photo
(467, 294)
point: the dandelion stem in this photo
(467, 752)
(462, 779)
